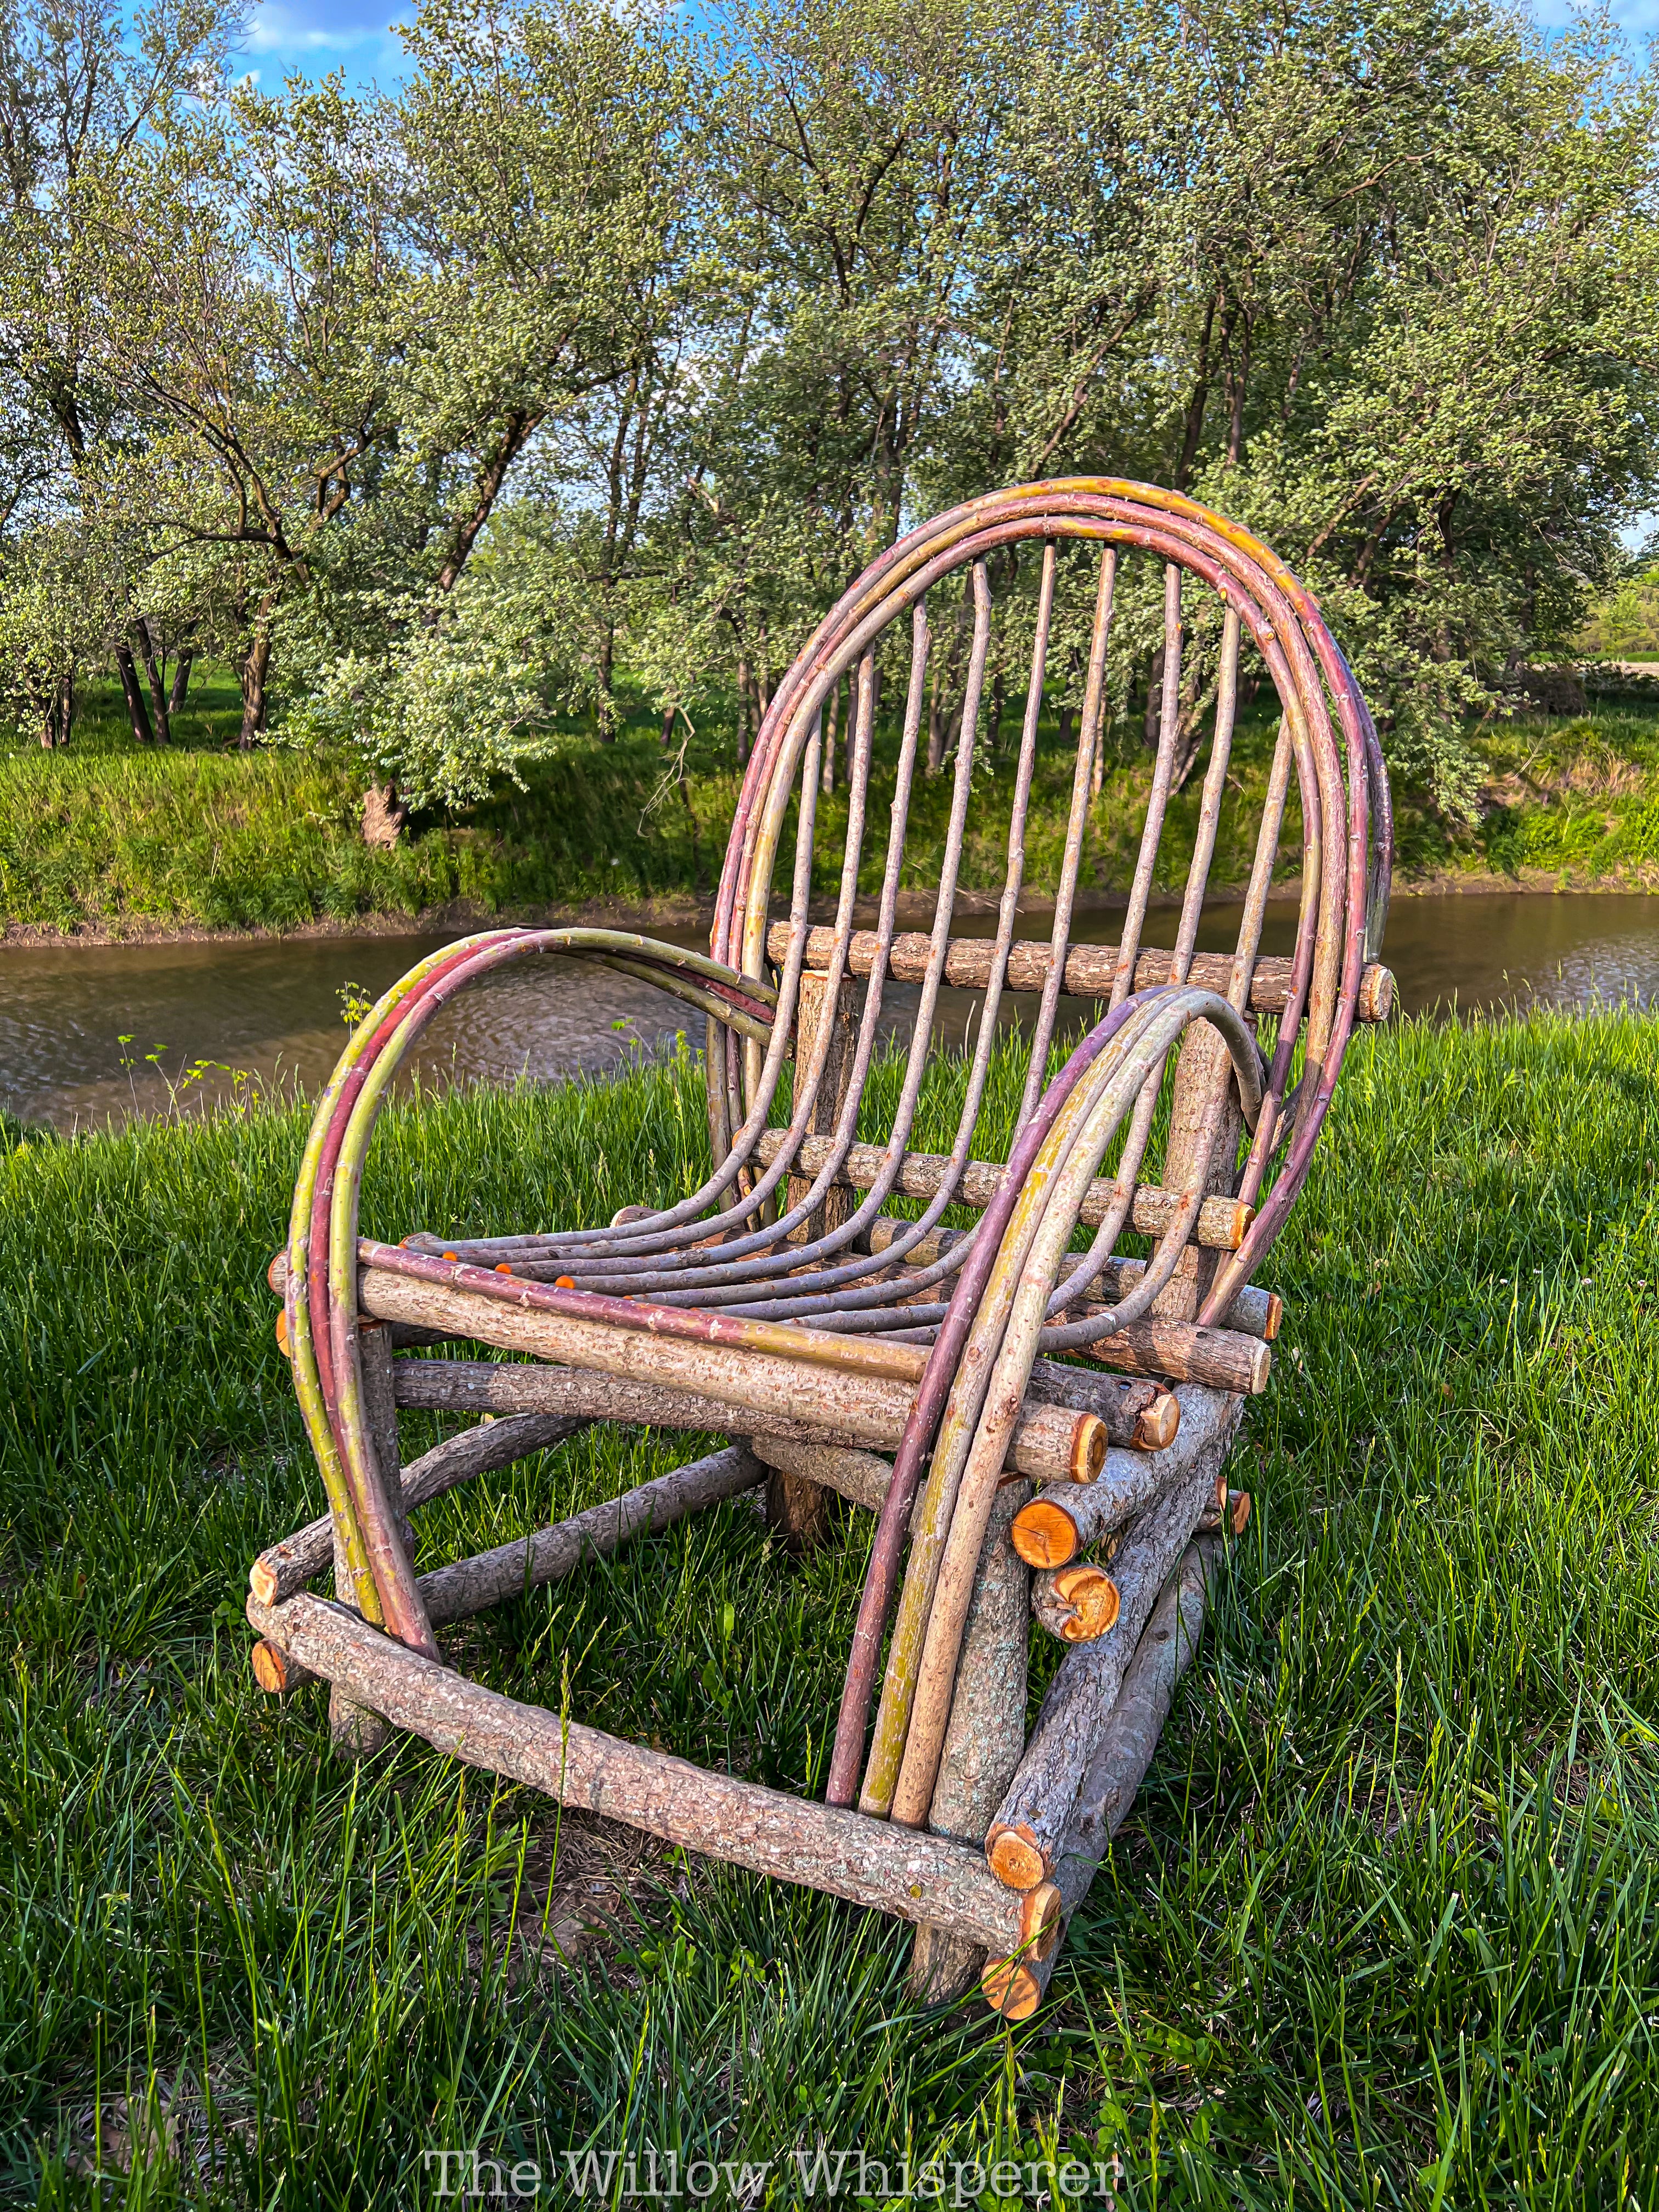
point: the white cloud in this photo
(310, 36)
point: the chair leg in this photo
(1203, 1070)
(354, 1730)
(798, 1507)
(986, 1735)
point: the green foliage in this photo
(117, 838)
(604, 352)
(1625, 625)
(1384, 1923)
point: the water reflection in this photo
(272, 1010)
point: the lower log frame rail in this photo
(972, 1920)
(909, 1363)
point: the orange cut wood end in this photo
(1044, 1533)
(272, 1667)
(1220, 1492)
(564, 1282)
(1016, 1859)
(281, 1335)
(1275, 1317)
(262, 1580)
(1089, 1441)
(1157, 1426)
(1041, 1921)
(452, 1255)
(1096, 1597)
(1010, 1988)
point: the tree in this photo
(538, 234)
(81, 88)
(1412, 339)
(245, 258)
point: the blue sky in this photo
(310, 38)
(314, 36)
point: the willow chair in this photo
(1036, 1421)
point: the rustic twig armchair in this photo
(909, 1367)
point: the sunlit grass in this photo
(1383, 1927)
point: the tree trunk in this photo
(746, 728)
(58, 716)
(945, 727)
(158, 697)
(1066, 720)
(383, 814)
(180, 680)
(252, 675)
(137, 718)
(1154, 703)
(608, 717)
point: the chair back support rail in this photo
(781, 1301)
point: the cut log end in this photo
(1275, 1320)
(1237, 1220)
(275, 1672)
(283, 1345)
(1041, 1922)
(1010, 1988)
(1233, 1513)
(1377, 993)
(277, 1274)
(1044, 1533)
(1016, 1858)
(1092, 1595)
(1089, 1441)
(624, 1214)
(263, 1581)
(1156, 1428)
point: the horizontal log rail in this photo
(547, 1555)
(1050, 1443)
(1090, 970)
(1223, 1223)
(905, 1871)
(283, 1568)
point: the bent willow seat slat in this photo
(956, 1340)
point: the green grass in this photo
(108, 836)
(1384, 1928)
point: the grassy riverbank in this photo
(111, 839)
(1382, 1931)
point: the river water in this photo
(88, 1033)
